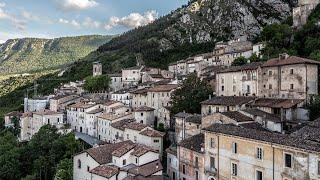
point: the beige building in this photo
(139, 97)
(224, 103)
(30, 123)
(145, 115)
(191, 158)
(131, 76)
(116, 82)
(159, 97)
(239, 80)
(60, 102)
(289, 77)
(228, 117)
(186, 125)
(9, 117)
(233, 152)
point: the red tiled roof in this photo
(288, 61)
(152, 133)
(106, 171)
(163, 88)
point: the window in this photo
(136, 160)
(270, 86)
(197, 175)
(173, 175)
(156, 140)
(211, 142)
(259, 175)
(291, 71)
(135, 138)
(234, 169)
(124, 162)
(259, 153)
(288, 160)
(270, 73)
(184, 169)
(222, 88)
(234, 148)
(127, 136)
(88, 168)
(79, 164)
(196, 162)
(141, 114)
(291, 86)
(212, 163)
(222, 80)
(217, 109)
(234, 88)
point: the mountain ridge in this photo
(36, 54)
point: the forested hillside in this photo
(33, 54)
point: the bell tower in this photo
(97, 69)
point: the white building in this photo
(123, 96)
(36, 104)
(144, 115)
(131, 76)
(117, 162)
(116, 82)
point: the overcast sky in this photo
(56, 18)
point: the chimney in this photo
(283, 56)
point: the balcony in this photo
(211, 171)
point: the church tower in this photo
(97, 69)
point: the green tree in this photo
(188, 97)
(240, 61)
(97, 83)
(64, 170)
(9, 156)
(314, 108)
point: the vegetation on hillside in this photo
(47, 155)
(188, 98)
(97, 83)
(32, 54)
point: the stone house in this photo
(172, 163)
(117, 161)
(75, 87)
(31, 122)
(139, 97)
(109, 106)
(144, 115)
(186, 125)
(224, 103)
(159, 97)
(289, 77)
(191, 158)
(233, 152)
(131, 76)
(91, 122)
(25, 127)
(9, 117)
(116, 82)
(228, 117)
(77, 113)
(287, 109)
(164, 117)
(123, 96)
(60, 102)
(104, 124)
(129, 129)
(239, 80)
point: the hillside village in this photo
(254, 124)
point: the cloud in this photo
(90, 23)
(72, 22)
(133, 20)
(17, 23)
(68, 5)
(29, 16)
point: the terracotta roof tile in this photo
(103, 154)
(140, 150)
(237, 116)
(119, 152)
(164, 88)
(106, 171)
(288, 61)
(122, 124)
(194, 143)
(264, 136)
(148, 169)
(46, 112)
(152, 133)
(276, 103)
(228, 100)
(143, 108)
(135, 126)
